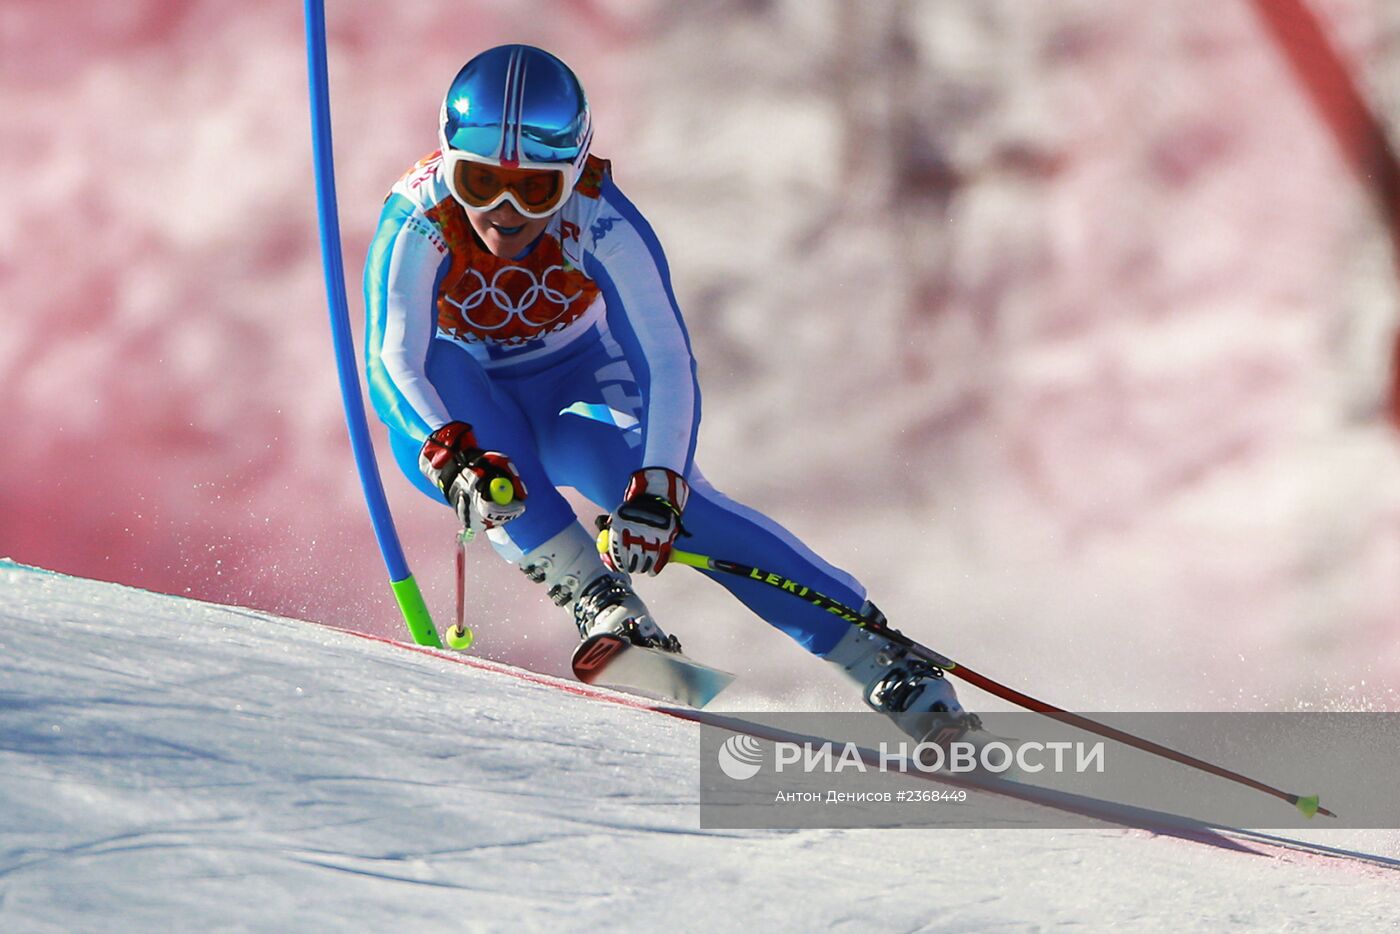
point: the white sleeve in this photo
(411, 320)
(630, 267)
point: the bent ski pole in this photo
(406, 591)
(1307, 804)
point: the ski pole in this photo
(1307, 804)
(459, 635)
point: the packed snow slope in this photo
(166, 763)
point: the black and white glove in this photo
(483, 486)
(645, 526)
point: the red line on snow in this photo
(520, 674)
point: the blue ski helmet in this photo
(515, 107)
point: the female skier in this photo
(521, 325)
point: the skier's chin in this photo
(507, 236)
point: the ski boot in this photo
(601, 600)
(910, 691)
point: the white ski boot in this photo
(601, 600)
(909, 690)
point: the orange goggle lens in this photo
(479, 184)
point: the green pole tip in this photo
(1307, 804)
(415, 612)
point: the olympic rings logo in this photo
(515, 292)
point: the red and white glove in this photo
(467, 477)
(645, 526)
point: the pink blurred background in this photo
(1090, 292)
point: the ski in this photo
(1308, 805)
(608, 660)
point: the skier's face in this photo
(504, 230)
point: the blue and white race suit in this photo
(573, 360)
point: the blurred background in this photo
(1068, 327)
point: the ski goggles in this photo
(535, 191)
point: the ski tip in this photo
(460, 638)
(1308, 805)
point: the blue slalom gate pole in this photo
(406, 592)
